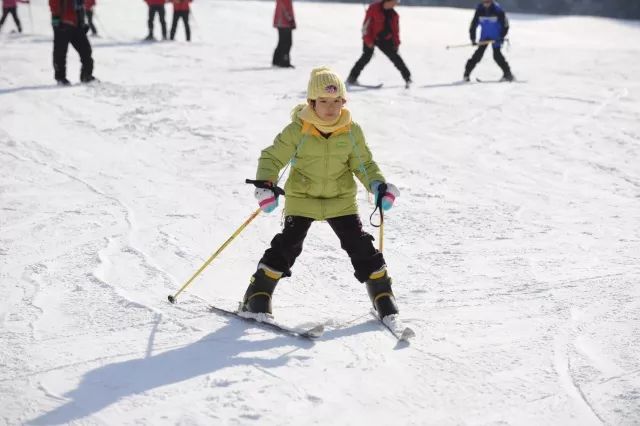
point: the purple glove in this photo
(389, 195)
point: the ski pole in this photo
(195, 24)
(172, 298)
(258, 183)
(102, 27)
(382, 189)
(456, 46)
(381, 231)
(30, 17)
(480, 43)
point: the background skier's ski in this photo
(364, 86)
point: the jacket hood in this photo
(294, 113)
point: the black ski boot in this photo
(257, 298)
(88, 79)
(380, 293)
(407, 82)
(508, 77)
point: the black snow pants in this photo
(497, 56)
(62, 36)
(13, 11)
(287, 245)
(152, 14)
(184, 15)
(387, 47)
(281, 56)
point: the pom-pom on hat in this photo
(324, 83)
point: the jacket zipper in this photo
(326, 174)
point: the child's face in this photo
(328, 109)
(390, 4)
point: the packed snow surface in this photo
(514, 246)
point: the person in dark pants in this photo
(10, 7)
(381, 29)
(180, 11)
(325, 150)
(89, 5)
(69, 27)
(494, 27)
(156, 7)
(285, 22)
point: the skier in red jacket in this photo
(11, 7)
(180, 10)
(156, 6)
(381, 28)
(285, 22)
(68, 21)
(89, 5)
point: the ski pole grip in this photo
(382, 189)
(266, 184)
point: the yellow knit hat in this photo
(324, 83)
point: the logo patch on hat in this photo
(331, 89)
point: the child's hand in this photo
(267, 199)
(388, 192)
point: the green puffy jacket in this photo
(320, 184)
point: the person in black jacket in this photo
(494, 27)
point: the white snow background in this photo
(514, 246)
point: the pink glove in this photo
(389, 195)
(267, 199)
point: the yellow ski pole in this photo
(381, 231)
(172, 298)
(258, 183)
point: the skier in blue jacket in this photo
(494, 27)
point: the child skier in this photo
(68, 21)
(156, 6)
(89, 5)
(285, 22)
(381, 28)
(11, 7)
(494, 27)
(180, 10)
(325, 149)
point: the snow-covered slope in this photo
(514, 247)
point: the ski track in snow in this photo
(513, 247)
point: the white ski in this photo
(267, 321)
(395, 326)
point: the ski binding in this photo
(395, 326)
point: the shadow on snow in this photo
(108, 384)
(28, 88)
